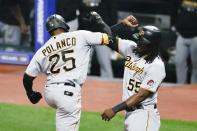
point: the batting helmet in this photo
(56, 21)
(148, 35)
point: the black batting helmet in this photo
(148, 35)
(56, 21)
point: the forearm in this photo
(135, 99)
(123, 31)
(33, 96)
(28, 83)
(103, 27)
(132, 101)
(139, 97)
(16, 11)
(117, 28)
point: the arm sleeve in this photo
(113, 43)
(34, 68)
(153, 78)
(123, 31)
(117, 29)
(28, 82)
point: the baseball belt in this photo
(68, 83)
(133, 108)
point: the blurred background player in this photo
(27, 8)
(68, 10)
(12, 23)
(108, 10)
(185, 21)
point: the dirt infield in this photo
(174, 102)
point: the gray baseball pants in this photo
(184, 47)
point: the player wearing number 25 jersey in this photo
(64, 59)
(65, 56)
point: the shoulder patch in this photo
(150, 82)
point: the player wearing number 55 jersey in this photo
(143, 73)
(64, 59)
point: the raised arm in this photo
(125, 27)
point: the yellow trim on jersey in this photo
(105, 39)
(148, 89)
(30, 75)
(75, 125)
(78, 112)
(190, 3)
(147, 121)
(119, 45)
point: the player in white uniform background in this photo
(143, 73)
(64, 59)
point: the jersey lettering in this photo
(59, 45)
(133, 66)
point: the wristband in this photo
(120, 107)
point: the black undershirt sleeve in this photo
(123, 31)
(113, 43)
(117, 29)
(28, 82)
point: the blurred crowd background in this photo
(176, 18)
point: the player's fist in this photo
(108, 114)
(130, 21)
(95, 18)
(34, 97)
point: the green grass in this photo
(26, 118)
(33, 118)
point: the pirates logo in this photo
(150, 83)
(51, 24)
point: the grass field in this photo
(33, 118)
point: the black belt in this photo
(69, 83)
(133, 108)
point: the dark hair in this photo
(151, 50)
